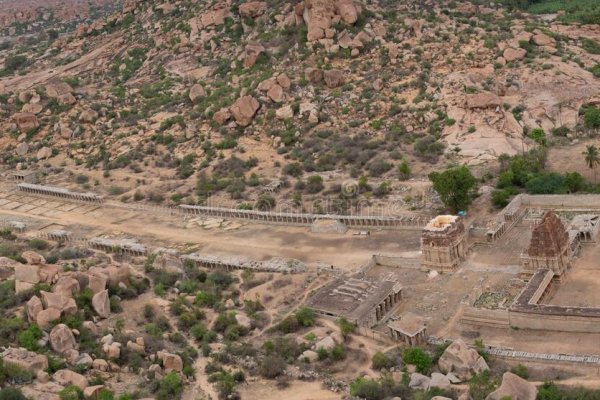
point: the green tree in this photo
(455, 187)
(538, 135)
(591, 118)
(592, 158)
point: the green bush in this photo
(481, 385)
(29, 338)
(346, 327)
(367, 389)
(272, 366)
(520, 370)
(418, 358)
(170, 387)
(71, 392)
(10, 393)
(10, 374)
(591, 117)
(380, 361)
(305, 317)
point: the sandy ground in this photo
(298, 390)
(581, 288)
(570, 158)
(258, 242)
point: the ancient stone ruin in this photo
(443, 243)
(548, 248)
(361, 300)
(59, 192)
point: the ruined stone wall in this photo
(562, 323)
(585, 201)
(396, 261)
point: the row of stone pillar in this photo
(45, 191)
(388, 303)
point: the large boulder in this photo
(45, 318)
(483, 100)
(462, 361)
(197, 92)
(275, 93)
(44, 153)
(309, 355)
(515, 388)
(326, 343)
(313, 75)
(252, 9)
(26, 121)
(439, 381)
(251, 54)
(171, 362)
(347, 10)
(101, 304)
(511, 54)
(67, 286)
(27, 273)
(27, 360)
(55, 90)
(67, 377)
(62, 339)
(333, 78)
(93, 392)
(33, 258)
(88, 116)
(541, 39)
(34, 306)
(114, 274)
(244, 109)
(96, 282)
(53, 300)
(285, 112)
(419, 382)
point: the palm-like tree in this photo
(592, 158)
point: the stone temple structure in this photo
(549, 247)
(443, 243)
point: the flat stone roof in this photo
(408, 324)
(441, 222)
(352, 297)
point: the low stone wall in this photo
(560, 322)
(397, 261)
(585, 201)
(485, 317)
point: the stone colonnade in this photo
(59, 192)
(415, 222)
(107, 247)
(387, 304)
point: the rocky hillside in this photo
(327, 99)
(22, 17)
